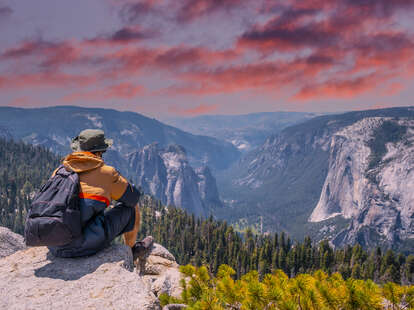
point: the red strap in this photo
(94, 197)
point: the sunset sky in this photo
(190, 57)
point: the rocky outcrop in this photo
(207, 188)
(35, 279)
(10, 242)
(148, 170)
(346, 185)
(166, 174)
(181, 190)
(161, 272)
(371, 187)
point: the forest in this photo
(23, 169)
(212, 243)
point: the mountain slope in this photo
(370, 181)
(23, 169)
(54, 127)
(307, 166)
(244, 131)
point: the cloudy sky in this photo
(190, 57)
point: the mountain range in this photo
(54, 128)
(345, 177)
(245, 131)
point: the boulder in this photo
(34, 279)
(10, 242)
(162, 273)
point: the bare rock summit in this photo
(34, 279)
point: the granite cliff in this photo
(166, 174)
(370, 182)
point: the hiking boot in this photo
(142, 248)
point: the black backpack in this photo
(54, 215)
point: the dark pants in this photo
(99, 232)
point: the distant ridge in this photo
(53, 127)
(245, 131)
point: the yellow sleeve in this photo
(119, 185)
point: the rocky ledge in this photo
(10, 242)
(33, 278)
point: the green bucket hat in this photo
(90, 140)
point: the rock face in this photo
(34, 279)
(161, 272)
(167, 175)
(10, 242)
(371, 187)
(149, 170)
(207, 188)
(345, 186)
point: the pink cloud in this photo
(393, 89)
(344, 89)
(200, 109)
(46, 80)
(119, 91)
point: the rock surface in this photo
(207, 188)
(379, 199)
(10, 242)
(35, 279)
(166, 174)
(346, 186)
(161, 272)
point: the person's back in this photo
(99, 185)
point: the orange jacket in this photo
(98, 181)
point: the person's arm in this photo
(123, 191)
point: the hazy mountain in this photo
(167, 175)
(54, 127)
(347, 177)
(244, 131)
(4, 133)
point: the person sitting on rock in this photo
(99, 185)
